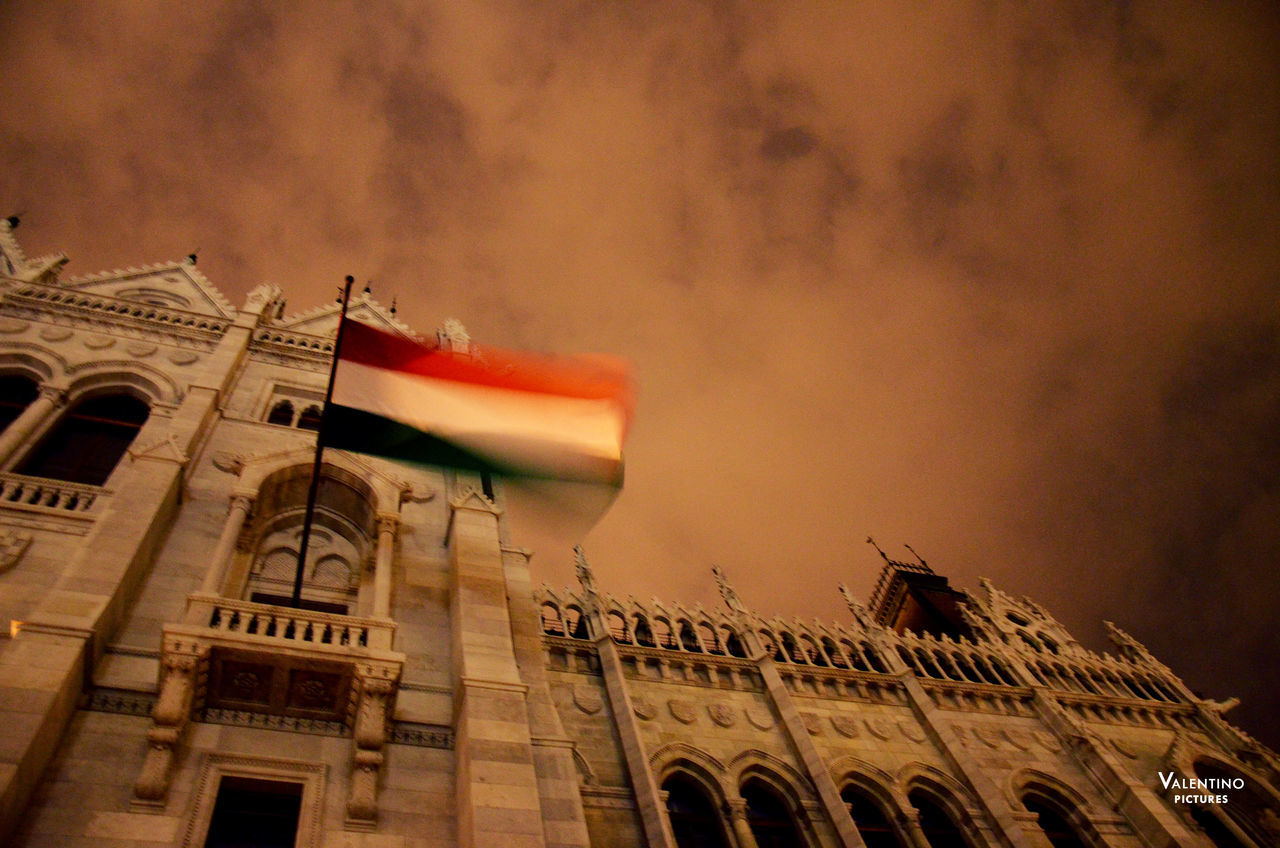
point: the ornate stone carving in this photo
(987, 737)
(1019, 739)
(140, 349)
(721, 714)
(644, 709)
(12, 325)
(183, 357)
(1047, 741)
(879, 727)
(97, 342)
(55, 334)
(682, 711)
(13, 544)
(761, 719)
(812, 723)
(911, 730)
(845, 726)
(169, 718)
(587, 698)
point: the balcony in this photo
(300, 664)
(47, 496)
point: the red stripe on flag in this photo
(591, 377)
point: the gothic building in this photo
(158, 688)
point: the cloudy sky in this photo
(995, 279)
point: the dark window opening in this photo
(281, 413)
(16, 394)
(1054, 826)
(486, 485)
(939, 828)
(872, 824)
(770, 820)
(253, 813)
(303, 603)
(694, 821)
(88, 441)
(310, 418)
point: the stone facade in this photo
(426, 694)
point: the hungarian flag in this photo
(518, 415)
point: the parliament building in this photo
(158, 687)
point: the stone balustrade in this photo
(229, 618)
(18, 489)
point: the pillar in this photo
(741, 827)
(387, 524)
(37, 412)
(238, 512)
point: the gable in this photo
(171, 285)
(323, 320)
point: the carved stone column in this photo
(741, 827)
(238, 513)
(376, 688)
(37, 412)
(387, 524)
(169, 718)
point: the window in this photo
(939, 828)
(256, 801)
(281, 413)
(310, 418)
(694, 820)
(253, 813)
(86, 443)
(16, 393)
(872, 824)
(339, 548)
(1055, 828)
(771, 822)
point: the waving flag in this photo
(487, 410)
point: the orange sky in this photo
(995, 279)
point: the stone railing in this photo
(47, 494)
(287, 626)
(88, 302)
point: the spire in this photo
(860, 612)
(585, 577)
(731, 599)
(872, 543)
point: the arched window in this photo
(1249, 809)
(771, 822)
(340, 546)
(16, 394)
(870, 820)
(281, 413)
(551, 619)
(87, 442)
(310, 418)
(939, 828)
(1055, 827)
(688, 638)
(694, 820)
(618, 628)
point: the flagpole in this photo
(296, 600)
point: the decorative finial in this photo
(393, 305)
(193, 255)
(368, 288)
(872, 543)
(916, 555)
(13, 221)
(731, 599)
(859, 612)
(585, 577)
